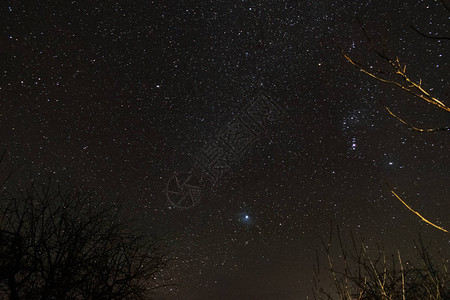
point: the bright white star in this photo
(245, 218)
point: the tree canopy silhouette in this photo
(63, 243)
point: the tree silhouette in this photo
(354, 272)
(62, 243)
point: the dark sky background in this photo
(120, 95)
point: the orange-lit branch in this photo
(413, 127)
(410, 86)
(420, 216)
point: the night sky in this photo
(120, 96)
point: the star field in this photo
(118, 96)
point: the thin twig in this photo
(414, 127)
(418, 214)
(428, 36)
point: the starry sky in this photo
(120, 96)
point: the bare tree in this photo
(353, 273)
(62, 243)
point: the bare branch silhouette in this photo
(62, 243)
(354, 272)
(429, 36)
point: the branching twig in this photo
(409, 86)
(401, 79)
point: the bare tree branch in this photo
(399, 78)
(414, 127)
(412, 210)
(429, 36)
(414, 88)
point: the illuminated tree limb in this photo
(404, 82)
(413, 127)
(411, 87)
(418, 214)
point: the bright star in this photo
(245, 218)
